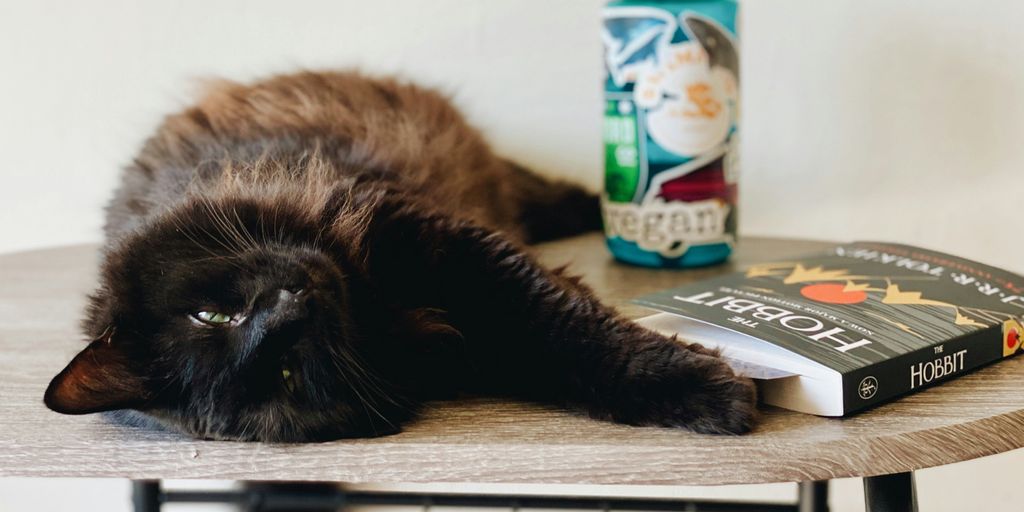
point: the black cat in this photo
(311, 257)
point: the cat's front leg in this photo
(654, 380)
(540, 333)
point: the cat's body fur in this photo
(374, 130)
(366, 240)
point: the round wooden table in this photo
(486, 440)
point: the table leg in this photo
(146, 495)
(890, 493)
(281, 496)
(812, 496)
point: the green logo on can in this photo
(621, 150)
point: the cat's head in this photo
(227, 319)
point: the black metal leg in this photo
(305, 496)
(146, 495)
(812, 496)
(890, 493)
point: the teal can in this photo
(670, 131)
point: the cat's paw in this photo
(677, 385)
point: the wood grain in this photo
(483, 440)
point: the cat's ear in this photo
(99, 378)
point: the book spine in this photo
(920, 369)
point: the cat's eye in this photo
(212, 317)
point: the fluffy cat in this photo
(313, 256)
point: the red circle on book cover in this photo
(832, 293)
(1012, 338)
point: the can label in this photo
(671, 105)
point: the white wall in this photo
(896, 120)
(900, 120)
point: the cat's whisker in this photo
(187, 233)
(366, 403)
(234, 254)
(229, 240)
(228, 229)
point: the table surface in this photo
(484, 440)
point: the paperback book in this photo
(852, 327)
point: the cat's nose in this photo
(282, 306)
(269, 329)
(290, 305)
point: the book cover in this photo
(887, 318)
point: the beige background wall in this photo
(896, 120)
(884, 119)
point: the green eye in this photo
(212, 317)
